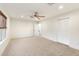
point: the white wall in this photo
(48, 29)
(64, 30)
(21, 28)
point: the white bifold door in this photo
(63, 31)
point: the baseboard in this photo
(52, 39)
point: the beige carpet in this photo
(38, 46)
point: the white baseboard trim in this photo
(51, 38)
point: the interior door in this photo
(37, 29)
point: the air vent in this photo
(64, 18)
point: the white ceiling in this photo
(16, 10)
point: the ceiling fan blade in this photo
(40, 16)
(31, 16)
(37, 16)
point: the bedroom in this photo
(35, 28)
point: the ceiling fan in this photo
(36, 15)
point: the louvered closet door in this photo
(63, 31)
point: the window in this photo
(2, 26)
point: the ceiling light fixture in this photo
(60, 7)
(22, 16)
